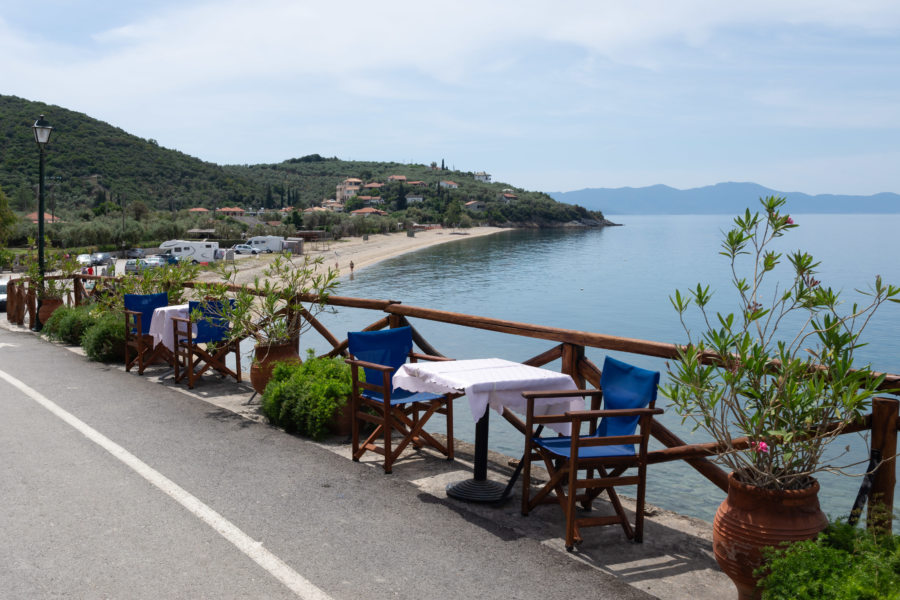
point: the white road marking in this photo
(6, 345)
(298, 584)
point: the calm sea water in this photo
(617, 281)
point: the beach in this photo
(361, 252)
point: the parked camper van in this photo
(196, 252)
(267, 243)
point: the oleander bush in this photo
(305, 397)
(104, 341)
(843, 563)
(67, 324)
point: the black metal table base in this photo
(473, 490)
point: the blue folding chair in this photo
(629, 395)
(208, 348)
(138, 316)
(374, 400)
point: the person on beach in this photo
(351, 267)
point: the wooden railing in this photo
(883, 421)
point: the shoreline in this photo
(364, 253)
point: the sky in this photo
(802, 95)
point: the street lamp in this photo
(42, 131)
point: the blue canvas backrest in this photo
(145, 304)
(625, 386)
(389, 347)
(214, 326)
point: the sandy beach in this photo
(363, 253)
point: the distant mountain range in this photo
(722, 198)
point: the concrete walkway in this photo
(675, 560)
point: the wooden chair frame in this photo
(566, 488)
(408, 418)
(191, 359)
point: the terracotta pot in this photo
(264, 362)
(342, 424)
(48, 307)
(751, 518)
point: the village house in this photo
(347, 189)
(483, 177)
(450, 185)
(416, 183)
(397, 178)
(198, 210)
(373, 186)
(365, 212)
(371, 200)
(413, 199)
(48, 218)
(233, 211)
(332, 205)
(507, 197)
(475, 206)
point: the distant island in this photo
(722, 198)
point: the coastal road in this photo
(115, 487)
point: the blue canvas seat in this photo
(140, 347)
(208, 347)
(379, 354)
(611, 448)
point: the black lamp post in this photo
(42, 131)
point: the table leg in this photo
(479, 488)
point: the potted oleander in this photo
(762, 380)
(273, 310)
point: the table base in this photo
(473, 490)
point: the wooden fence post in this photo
(11, 292)
(571, 355)
(79, 289)
(32, 307)
(884, 439)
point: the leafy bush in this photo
(68, 324)
(305, 397)
(104, 341)
(842, 563)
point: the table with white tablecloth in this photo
(161, 323)
(494, 383)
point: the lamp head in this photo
(42, 131)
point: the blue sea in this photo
(617, 280)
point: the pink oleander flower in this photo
(790, 221)
(759, 447)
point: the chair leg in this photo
(354, 426)
(571, 497)
(449, 416)
(388, 426)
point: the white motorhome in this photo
(196, 252)
(267, 243)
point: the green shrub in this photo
(305, 397)
(104, 341)
(842, 563)
(68, 323)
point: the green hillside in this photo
(94, 168)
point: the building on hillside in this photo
(414, 199)
(367, 211)
(233, 211)
(416, 183)
(450, 185)
(397, 178)
(198, 210)
(475, 206)
(506, 197)
(313, 209)
(371, 200)
(373, 186)
(333, 205)
(347, 189)
(483, 177)
(48, 218)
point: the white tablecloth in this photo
(161, 324)
(491, 382)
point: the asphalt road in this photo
(114, 487)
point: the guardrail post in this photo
(78, 285)
(884, 439)
(571, 355)
(11, 291)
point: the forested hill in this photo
(91, 164)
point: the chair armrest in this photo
(561, 393)
(618, 412)
(368, 365)
(431, 357)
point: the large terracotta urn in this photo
(48, 307)
(752, 518)
(265, 357)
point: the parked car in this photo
(135, 253)
(134, 265)
(155, 261)
(84, 260)
(2, 296)
(244, 249)
(101, 258)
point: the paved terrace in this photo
(194, 495)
